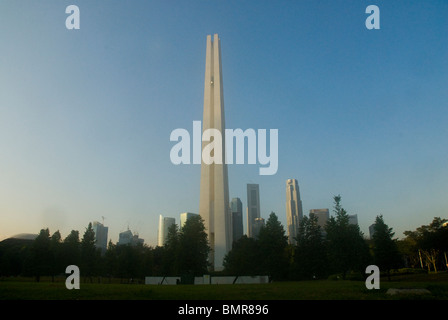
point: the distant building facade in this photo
(371, 230)
(294, 211)
(258, 224)
(164, 224)
(236, 208)
(253, 208)
(128, 238)
(322, 215)
(353, 219)
(185, 216)
(100, 236)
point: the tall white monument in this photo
(214, 193)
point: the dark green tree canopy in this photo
(273, 243)
(310, 256)
(385, 249)
(245, 258)
(194, 248)
(347, 249)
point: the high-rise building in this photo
(236, 207)
(127, 238)
(322, 215)
(258, 224)
(253, 208)
(353, 219)
(100, 236)
(185, 216)
(371, 230)
(164, 224)
(214, 192)
(294, 213)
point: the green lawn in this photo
(308, 290)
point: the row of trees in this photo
(339, 248)
(344, 248)
(427, 246)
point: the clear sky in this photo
(86, 115)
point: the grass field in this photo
(22, 289)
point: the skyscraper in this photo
(256, 227)
(322, 215)
(214, 192)
(253, 208)
(236, 207)
(184, 216)
(294, 213)
(127, 238)
(353, 219)
(100, 236)
(164, 224)
(371, 230)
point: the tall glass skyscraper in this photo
(100, 236)
(253, 208)
(294, 212)
(236, 207)
(184, 217)
(164, 224)
(322, 215)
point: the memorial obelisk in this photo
(214, 193)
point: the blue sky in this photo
(86, 115)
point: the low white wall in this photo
(254, 279)
(199, 280)
(207, 279)
(222, 280)
(162, 280)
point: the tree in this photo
(110, 260)
(15, 257)
(193, 247)
(347, 249)
(129, 261)
(41, 254)
(408, 249)
(71, 252)
(245, 258)
(430, 243)
(171, 250)
(385, 249)
(273, 243)
(89, 253)
(310, 257)
(56, 265)
(433, 242)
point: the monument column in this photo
(214, 192)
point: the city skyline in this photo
(86, 115)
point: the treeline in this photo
(185, 252)
(339, 249)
